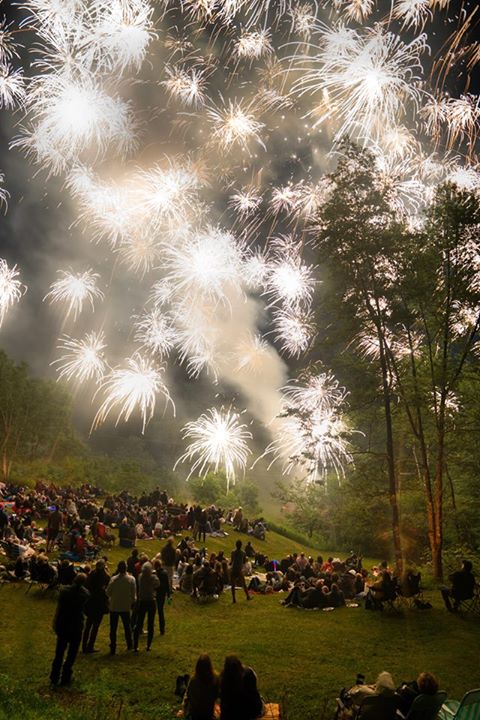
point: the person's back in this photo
(463, 583)
(70, 609)
(202, 691)
(121, 591)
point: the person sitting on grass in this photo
(463, 587)
(239, 696)
(202, 691)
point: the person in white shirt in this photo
(122, 595)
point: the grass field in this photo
(301, 657)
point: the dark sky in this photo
(37, 232)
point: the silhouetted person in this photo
(68, 626)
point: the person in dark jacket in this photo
(463, 587)
(239, 696)
(97, 605)
(68, 626)
(169, 557)
(202, 691)
(163, 591)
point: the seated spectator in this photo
(186, 581)
(248, 550)
(463, 587)
(425, 684)
(202, 691)
(239, 696)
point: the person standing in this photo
(68, 626)
(122, 593)
(97, 605)
(148, 583)
(54, 524)
(162, 592)
(169, 556)
(238, 559)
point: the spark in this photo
(289, 280)
(218, 441)
(12, 87)
(207, 266)
(186, 85)
(125, 28)
(245, 201)
(130, 388)
(413, 13)
(11, 288)
(154, 331)
(235, 124)
(367, 78)
(83, 360)
(75, 289)
(140, 253)
(253, 45)
(71, 117)
(251, 353)
(294, 330)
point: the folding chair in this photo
(467, 709)
(409, 592)
(471, 605)
(425, 707)
(377, 707)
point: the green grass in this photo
(303, 657)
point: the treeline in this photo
(38, 440)
(398, 318)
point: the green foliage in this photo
(212, 490)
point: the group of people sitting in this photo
(235, 689)
(79, 523)
(418, 699)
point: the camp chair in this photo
(425, 707)
(467, 709)
(471, 605)
(377, 707)
(409, 592)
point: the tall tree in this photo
(356, 235)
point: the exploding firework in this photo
(83, 359)
(11, 288)
(130, 388)
(74, 290)
(218, 442)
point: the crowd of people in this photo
(80, 524)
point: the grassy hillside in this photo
(301, 657)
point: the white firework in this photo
(246, 201)
(293, 330)
(84, 359)
(315, 391)
(132, 388)
(155, 333)
(206, 267)
(8, 45)
(235, 124)
(167, 193)
(255, 271)
(11, 288)
(74, 290)
(219, 441)
(124, 29)
(186, 85)
(73, 116)
(365, 78)
(285, 199)
(140, 253)
(303, 18)
(4, 194)
(413, 13)
(251, 353)
(253, 45)
(12, 87)
(289, 280)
